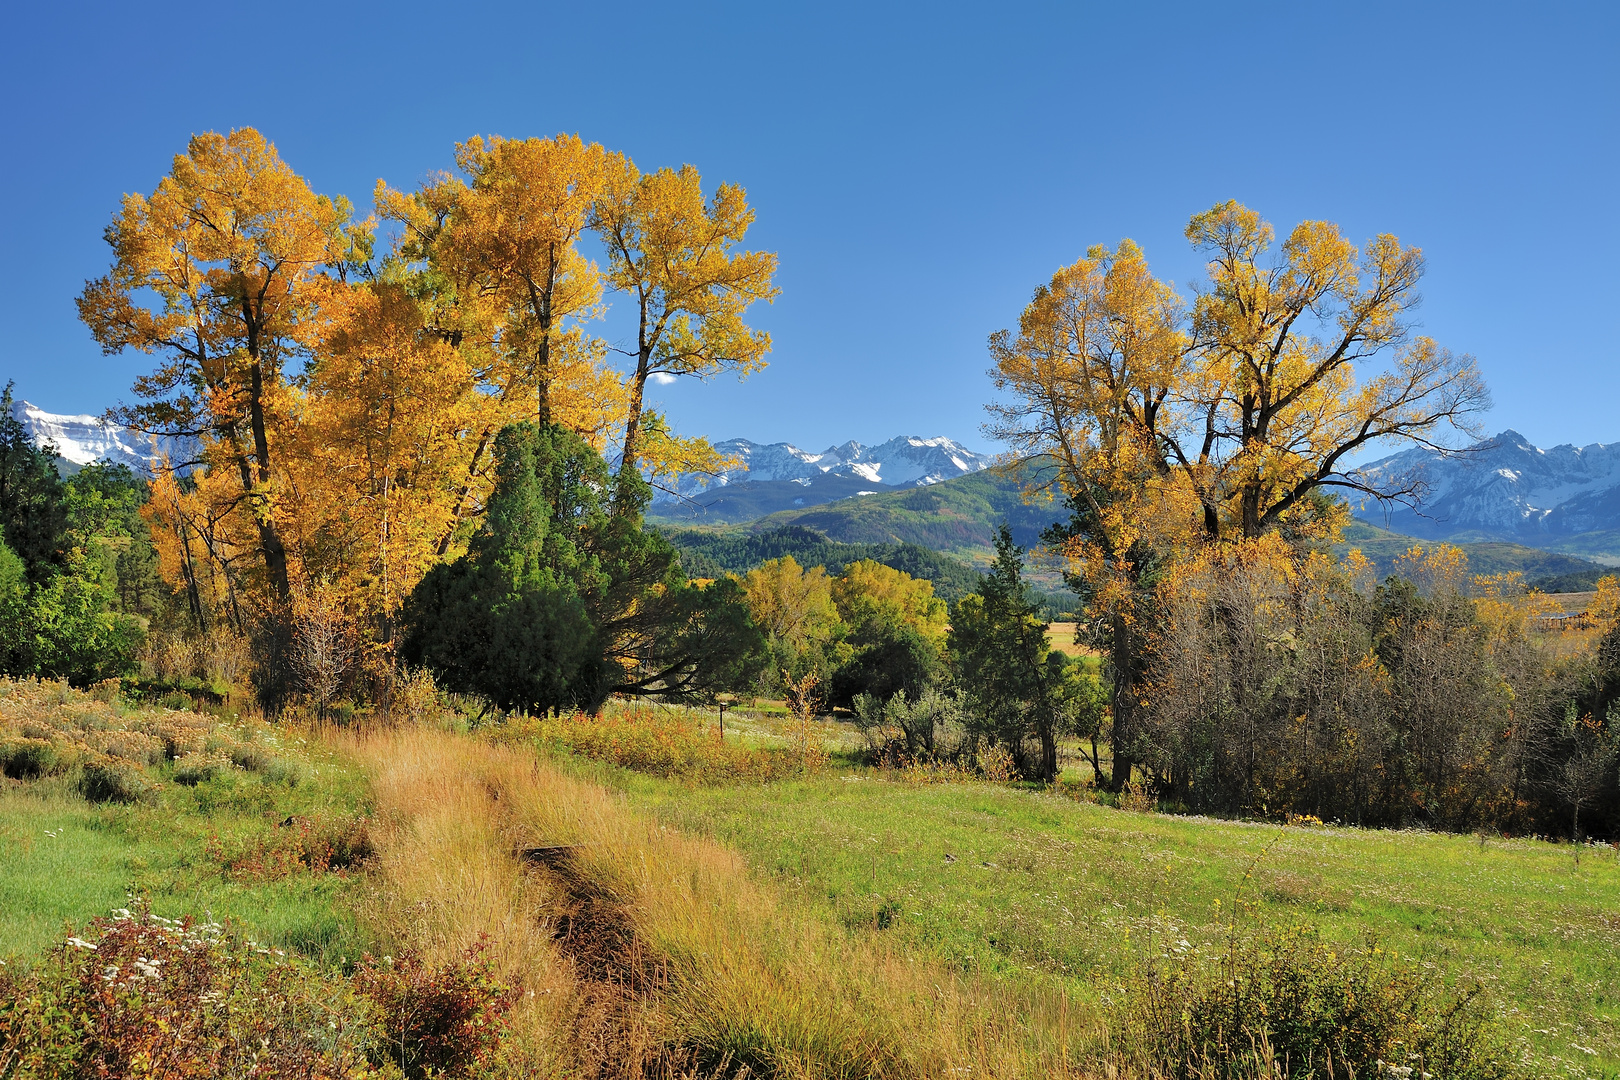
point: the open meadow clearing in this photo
(1030, 886)
(794, 920)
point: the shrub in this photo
(194, 769)
(283, 771)
(22, 758)
(147, 996)
(317, 845)
(438, 1021)
(1285, 1003)
(250, 756)
(110, 780)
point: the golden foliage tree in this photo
(675, 255)
(1092, 375)
(869, 591)
(386, 423)
(513, 237)
(792, 604)
(1277, 344)
(217, 272)
(1167, 429)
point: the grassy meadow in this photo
(1027, 886)
(198, 834)
(697, 905)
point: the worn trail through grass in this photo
(1022, 886)
(643, 949)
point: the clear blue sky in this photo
(919, 168)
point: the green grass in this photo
(1042, 887)
(65, 860)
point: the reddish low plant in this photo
(141, 995)
(440, 1021)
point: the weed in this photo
(1286, 1003)
(140, 995)
(444, 1020)
(656, 742)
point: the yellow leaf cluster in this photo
(346, 399)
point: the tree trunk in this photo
(1123, 660)
(270, 545)
(632, 424)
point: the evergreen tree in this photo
(1002, 663)
(560, 602)
(33, 515)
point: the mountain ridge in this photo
(1561, 498)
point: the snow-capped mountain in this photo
(1506, 487)
(906, 461)
(84, 439)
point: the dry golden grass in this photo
(1060, 636)
(641, 951)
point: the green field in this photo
(1005, 883)
(65, 860)
(1026, 885)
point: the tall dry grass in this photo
(641, 951)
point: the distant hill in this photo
(958, 517)
(1545, 570)
(710, 553)
(738, 503)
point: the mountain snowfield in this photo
(1506, 487)
(904, 461)
(84, 439)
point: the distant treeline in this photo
(714, 554)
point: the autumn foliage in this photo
(335, 384)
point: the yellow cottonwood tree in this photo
(1277, 344)
(513, 232)
(386, 424)
(495, 263)
(1092, 375)
(674, 254)
(869, 591)
(1170, 431)
(217, 273)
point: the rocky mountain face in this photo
(905, 461)
(1507, 488)
(81, 440)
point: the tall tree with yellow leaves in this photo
(1276, 347)
(1092, 375)
(231, 252)
(514, 231)
(387, 417)
(1169, 432)
(675, 254)
(495, 262)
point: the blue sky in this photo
(919, 168)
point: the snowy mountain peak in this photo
(1508, 487)
(907, 460)
(84, 439)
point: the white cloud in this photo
(662, 378)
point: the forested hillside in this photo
(958, 517)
